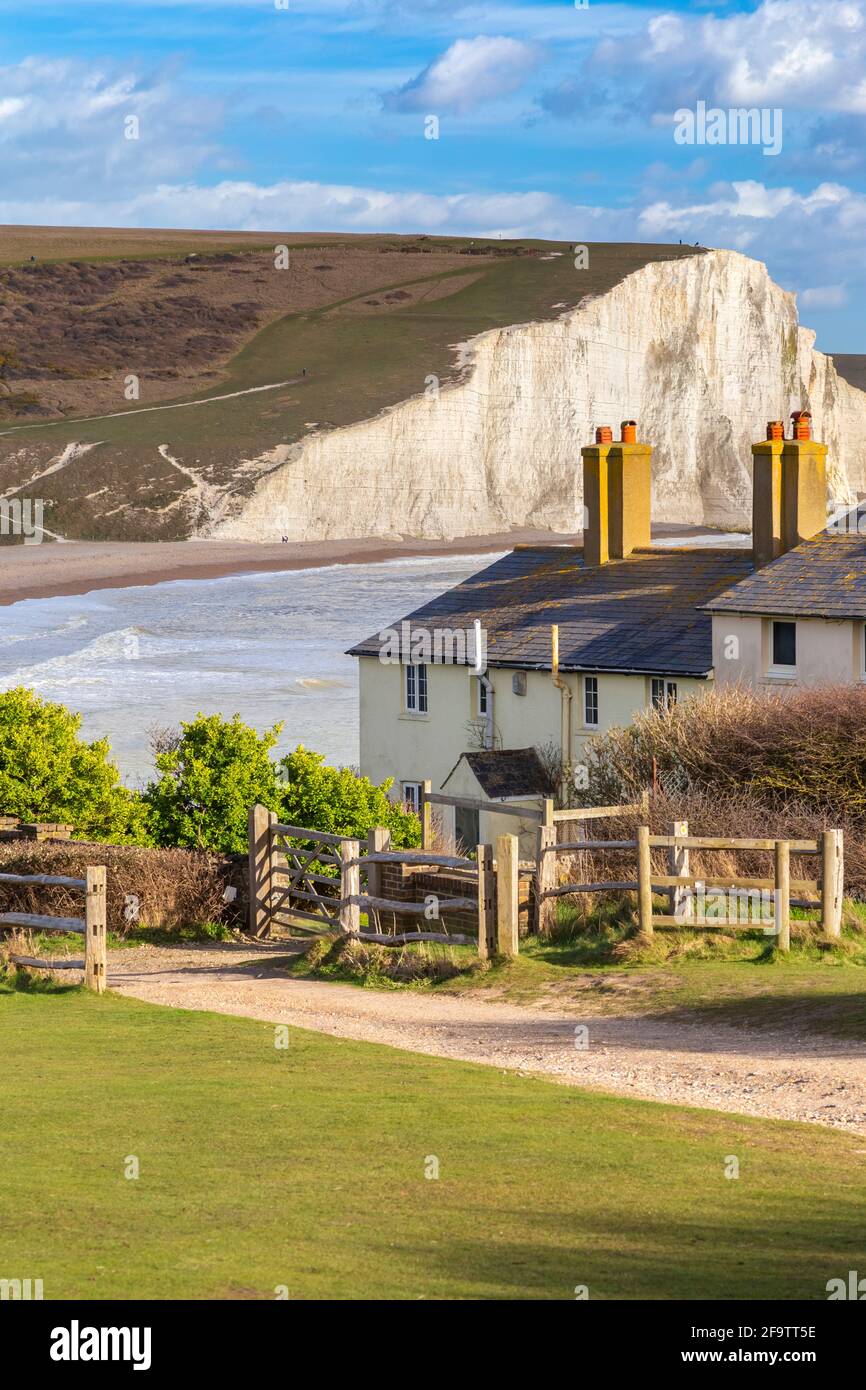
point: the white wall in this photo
(828, 652)
(414, 747)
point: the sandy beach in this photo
(78, 567)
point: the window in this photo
(412, 795)
(664, 693)
(518, 683)
(416, 689)
(483, 696)
(784, 646)
(590, 701)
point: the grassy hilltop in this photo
(353, 325)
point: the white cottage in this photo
(575, 640)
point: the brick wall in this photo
(404, 883)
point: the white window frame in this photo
(416, 689)
(593, 690)
(483, 696)
(411, 794)
(669, 692)
(773, 669)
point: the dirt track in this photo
(780, 1075)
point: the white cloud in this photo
(308, 206)
(468, 74)
(10, 106)
(755, 201)
(824, 297)
(63, 126)
(797, 54)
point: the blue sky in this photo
(554, 119)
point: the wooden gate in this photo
(322, 883)
(294, 873)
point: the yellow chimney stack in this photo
(617, 495)
(789, 488)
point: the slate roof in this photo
(503, 772)
(821, 578)
(636, 615)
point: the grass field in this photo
(305, 1167)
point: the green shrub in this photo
(337, 800)
(209, 777)
(49, 773)
(215, 769)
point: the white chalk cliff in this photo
(701, 352)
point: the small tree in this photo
(49, 773)
(209, 778)
(340, 802)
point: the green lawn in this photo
(760, 990)
(305, 1168)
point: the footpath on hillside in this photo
(780, 1074)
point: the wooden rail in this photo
(723, 842)
(686, 891)
(474, 803)
(364, 901)
(583, 813)
(93, 924)
(403, 938)
(44, 880)
(689, 909)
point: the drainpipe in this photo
(488, 718)
(565, 711)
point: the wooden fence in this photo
(541, 815)
(548, 846)
(92, 925)
(307, 879)
(688, 893)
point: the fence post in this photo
(644, 882)
(545, 878)
(426, 816)
(350, 887)
(378, 842)
(783, 895)
(832, 883)
(678, 863)
(507, 914)
(261, 868)
(95, 952)
(486, 894)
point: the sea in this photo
(269, 647)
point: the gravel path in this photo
(782, 1075)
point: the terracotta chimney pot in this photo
(629, 432)
(604, 435)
